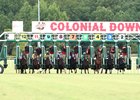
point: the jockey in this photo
(99, 49)
(76, 49)
(112, 49)
(72, 55)
(23, 55)
(88, 51)
(83, 56)
(63, 53)
(35, 56)
(121, 59)
(51, 50)
(38, 51)
(63, 49)
(47, 55)
(27, 49)
(124, 51)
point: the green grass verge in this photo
(69, 86)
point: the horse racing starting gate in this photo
(78, 33)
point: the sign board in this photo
(23, 36)
(97, 37)
(39, 26)
(109, 36)
(11, 36)
(48, 37)
(60, 37)
(84, 37)
(121, 37)
(36, 36)
(72, 37)
(85, 27)
(17, 26)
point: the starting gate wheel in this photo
(1, 69)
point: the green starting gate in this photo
(67, 38)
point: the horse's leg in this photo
(45, 70)
(22, 70)
(85, 70)
(98, 69)
(29, 71)
(75, 71)
(60, 70)
(81, 71)
(88, 70)
(110, 71)
(57, 71)
(123, 70)
(49, 70)
(101, 70)
(25, 71)
(106, 70)
(33, 71)
(94, 71)
(69, 71)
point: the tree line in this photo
(67, 10)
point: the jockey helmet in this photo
(84, 53)
(121, 55)
(47, 52)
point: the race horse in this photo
(48, 64)
(23, 65)
(109, 63)
(98, 61)
(121, 64)
(60, 64)
(36, 65)
(85, 65)
(35, 62)
(73, 63)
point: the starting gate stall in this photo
(59, 38)
(67, 54)
(116, 55)
(128, 59)
(138, 58)
(30, 61)
(126, 53)
(104, 55)
(71, 49)
(92, 62)
(3, 56)
(17, 59)
(79, 54)
(85, 45)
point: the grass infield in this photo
(69, 86)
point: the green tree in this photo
(4, 23)
(49, 12)
(102, 14)
(122, 16)
(25, 15)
